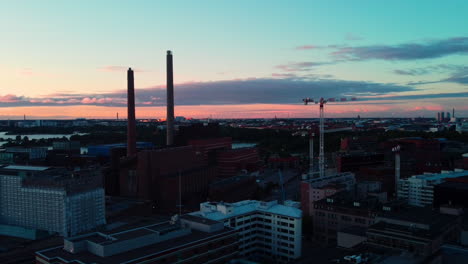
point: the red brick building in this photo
(228, 161)
(418, 155)
(231, 162)
(154, 175)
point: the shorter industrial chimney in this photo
(131, 123)
(396, 150)
(170, 100)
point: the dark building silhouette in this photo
(452, 192)
(354, 161)
(197, 131)
(111, 173)
(233, 189)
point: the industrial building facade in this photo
(30, 199)
(267, 229)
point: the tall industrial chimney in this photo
(131, 123)
(396, 150)
(170, 100)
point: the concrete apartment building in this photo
(48, 199)
(419, 189)
(188, 239)
(267, 229)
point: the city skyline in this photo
(68, 60)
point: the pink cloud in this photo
(26, 72)
(284, 75)
(10, 98)
(42, 101)
(306, 47)
(88, 100)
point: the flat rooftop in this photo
(199, 219)
(24, 168)
(419, 222)
(246, 207)
(129, 232)
(161, 248)
(437, 176)
(420, 215)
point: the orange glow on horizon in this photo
(219, 111)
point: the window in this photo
(346, 218)
(360, 220)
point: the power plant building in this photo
(34, 199)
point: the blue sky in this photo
(73, 54)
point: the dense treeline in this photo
(269, 141)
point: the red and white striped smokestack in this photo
(170, 100)
(131, 123)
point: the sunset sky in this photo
(233, 59)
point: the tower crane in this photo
(321, 102)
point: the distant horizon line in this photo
(211, 118)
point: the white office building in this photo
(267, 229)
(47, 199)
(419, 189)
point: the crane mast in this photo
(322, 102)
(322, 140)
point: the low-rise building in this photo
(267, 229)
(66, 146)
(419, 189)
(190, 239)
(25, 154)
(316, 189)
(340, 211)
(420, 231)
